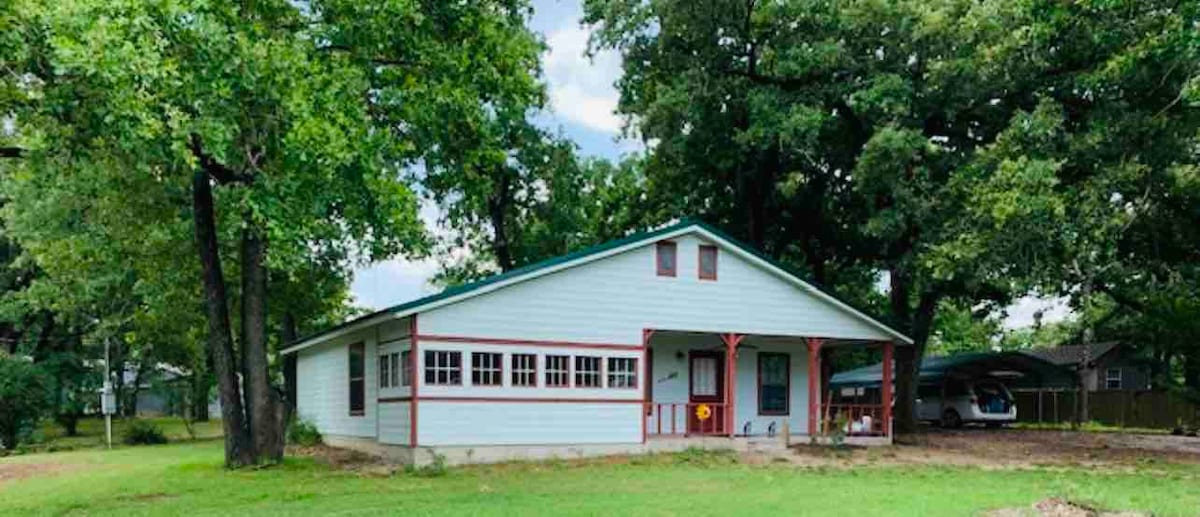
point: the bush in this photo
(144, 432)
(24, 398)
(303, 433)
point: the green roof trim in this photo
(573, 256)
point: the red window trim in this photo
(787, 363)
(658, 250)
(700, 261)
(512, 370)
(499, 384)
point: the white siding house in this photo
(663, 336)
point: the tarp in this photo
(1016, 369)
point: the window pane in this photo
(708, 262)
(357, 396)
(384, 370)
(356, 361)
(665, 258)
(557, 370)
(406, 368)
(587, 372)
(773, 370)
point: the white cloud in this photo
(1021, 313)
(392, 282)
(581, 88)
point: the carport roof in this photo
(1034, 372)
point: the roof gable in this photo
(585, 256)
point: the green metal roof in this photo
(1035, 372)
(583, 253)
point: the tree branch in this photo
(12, 152)
(214, 168)
(377, 60)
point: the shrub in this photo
(303, 433)
(24, 398)
(143, 432)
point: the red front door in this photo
(706, 387)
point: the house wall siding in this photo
(323, 387)
(527, 423)
(612, 299)
(395, 425)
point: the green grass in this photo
(50, 437)
(187, 478)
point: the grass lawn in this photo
(187, 478)
(90, 433)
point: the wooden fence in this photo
(1146, 409)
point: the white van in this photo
(957, 401)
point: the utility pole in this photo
(107, 403)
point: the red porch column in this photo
(886, 388)
(731, 343)
(814, 388)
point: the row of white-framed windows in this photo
(446, 368)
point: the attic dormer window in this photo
(708, 262)
(665, 258)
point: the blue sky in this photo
(582, 104)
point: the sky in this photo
(583, 102)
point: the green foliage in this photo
(24, 397)
(436, 467)
(959, 329)
(143, 432)
(303, 433)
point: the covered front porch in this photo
(751, 386)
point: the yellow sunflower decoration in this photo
(703, 412)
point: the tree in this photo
(23, 399)
(844, 138)
(277, 131)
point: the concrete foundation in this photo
(474, 454)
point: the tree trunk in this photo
(919, 323)
(263, 401)
(239, 450)
(498, 206)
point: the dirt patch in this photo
(1056, 507)
(1011, 448)
(18, 471)
(342, 459)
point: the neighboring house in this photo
(674, 337)
(1113, 366)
